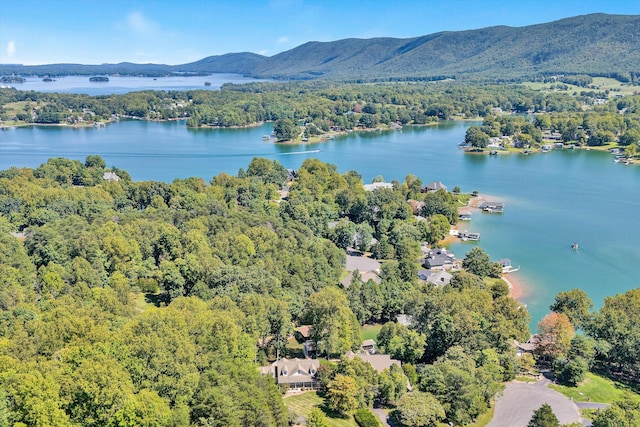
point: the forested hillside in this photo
(597, 45)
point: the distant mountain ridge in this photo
(596, 44)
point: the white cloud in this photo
(140, 24)
(11, 48)
(283, 39)
(263, 52)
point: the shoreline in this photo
(517, 287)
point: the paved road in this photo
(519, 400)
(382, 415)
(361, 263)
(592, 405)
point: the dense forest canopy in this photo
(148, 303)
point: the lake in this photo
(552, 199)
(124, 84)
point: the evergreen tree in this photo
(544, 417)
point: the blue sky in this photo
(181, 31)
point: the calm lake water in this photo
(552, 199)
(115, 85)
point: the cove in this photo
(552, 199)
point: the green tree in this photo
(476, 137)
(401, 342)
(286, 129)
(616, 326)
(477, 262)
(334, 328)
(344, 233)
(365, 418)
(544, 417)
(418, 409)
(625, 413)
(317, 419)
(438, 229)
(392, 384)
(342, 394)
(576, 304)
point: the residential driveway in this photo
(382, 416)
(361, 263)
(518, 402)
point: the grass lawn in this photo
(526, 378)
(598, 389)
(371, 332)
(604, 83)
(302, 404)
(484, 419)
(294, 349)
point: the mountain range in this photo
(596, 44)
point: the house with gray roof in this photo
(438, 278)
(434, 186)
(530, 346)
(110, 176)
(377, 185)
(439, 259)
(295, 373)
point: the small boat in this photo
(266, 137)
(207, 83)
(493, 153)
(574, 246)
(464, 217)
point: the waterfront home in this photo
(376, 185)
(438, 278)
(434, 186)
(527, 347)
(110, 177)
(439, 259)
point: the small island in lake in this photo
(99, 79)
(12, 79)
